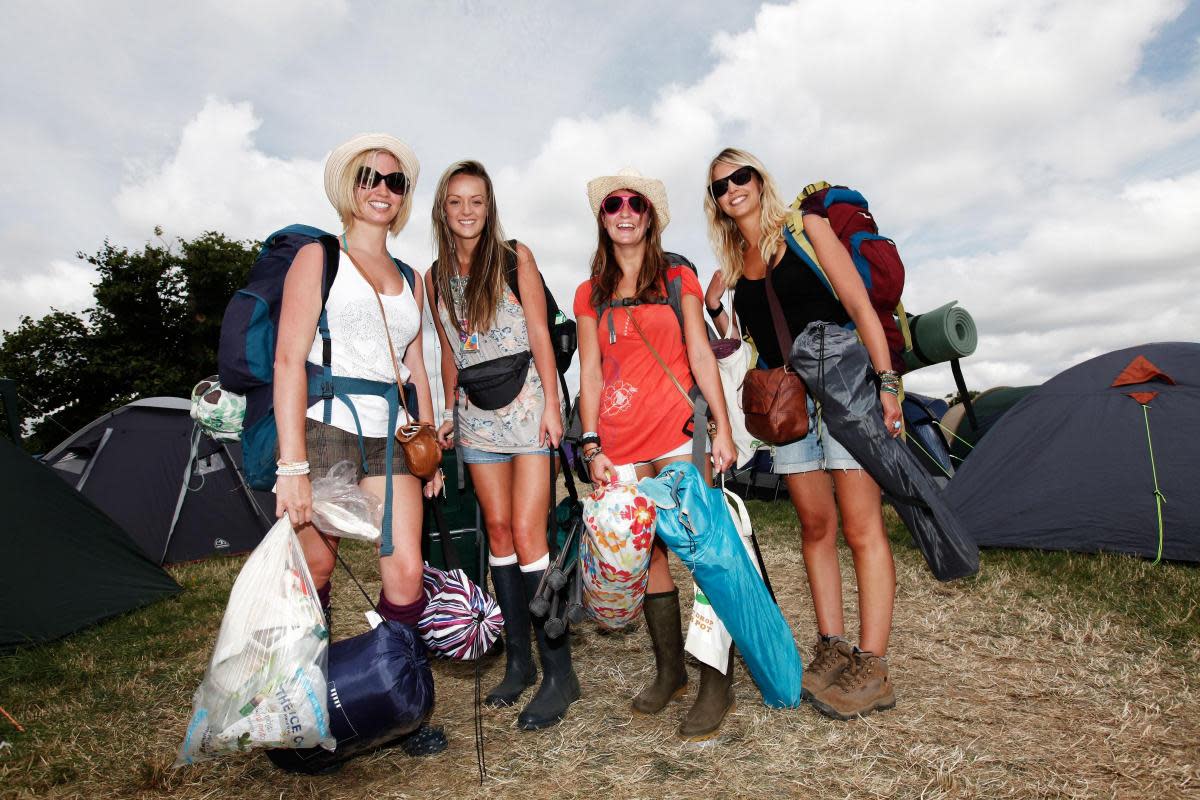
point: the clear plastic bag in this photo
(266, 683)
(341, 508)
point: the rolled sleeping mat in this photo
(946, 333)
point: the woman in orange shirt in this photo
(634, 413)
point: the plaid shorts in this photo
(326, 445)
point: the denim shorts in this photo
(472, 455)
(817, 450)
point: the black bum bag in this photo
(496, 383)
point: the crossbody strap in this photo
(386, 330)
(778, 322)
(659, 359)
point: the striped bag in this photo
(460, 621)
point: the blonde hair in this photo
(486, 279)
(345, 202)
(723, 234)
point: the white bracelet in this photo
(291, 468)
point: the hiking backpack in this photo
(246, 354)
(875, 257)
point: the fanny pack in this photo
(495, 383)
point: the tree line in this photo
(152, 331)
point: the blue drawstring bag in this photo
(380, 689)
(693, 520)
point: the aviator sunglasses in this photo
(740, 176)
(637, 204)
(369, 178)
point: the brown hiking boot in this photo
(862, 688)
(830, 657)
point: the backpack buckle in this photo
(327, 389)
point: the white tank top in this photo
(360, 347)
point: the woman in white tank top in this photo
(369, 180)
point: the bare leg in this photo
(401, 571)
(812, 497)
(493, 488)
(317, 554)
(530, 505)
(862, 525)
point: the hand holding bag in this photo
(417, 439)
(776, 400)
(733, 362)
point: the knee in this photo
(818, 528)
(320, 565)
(865, 537)
(530, 541)
(499, 529)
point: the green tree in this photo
(153, 331)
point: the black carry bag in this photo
(838, 372)
(496, 383)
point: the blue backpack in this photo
(246, 355)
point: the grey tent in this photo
(63, 563)
(1103, 457)
(137, 465)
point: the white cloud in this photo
(67, 285)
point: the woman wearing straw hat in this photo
(745, 225)
(633, 406)
(508, 436)
(369, 180)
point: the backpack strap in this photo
(674, 297)
(510, 271)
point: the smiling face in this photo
(738, 201)
(625, 226)
(378, 205)
(466, 206)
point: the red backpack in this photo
(875, 256)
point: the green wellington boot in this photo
(670, 679)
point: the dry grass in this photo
(1009, 686)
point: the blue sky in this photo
(1037, 161)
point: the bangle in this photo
(713, 313)
(588, 435)
(891, 389)
(888, 376)
(590, 438)
(291, 468)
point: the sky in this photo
(1038, 162)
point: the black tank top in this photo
(802, 296)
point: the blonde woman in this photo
(507, 429)
(633, 413)
(745, 225)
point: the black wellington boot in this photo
(666, 634)
(560, 686)
(519, 670)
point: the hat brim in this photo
(650, 188)
(342, 156)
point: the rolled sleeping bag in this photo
(614, 557)
(380, 688)
(941, 335)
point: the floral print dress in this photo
(513, 428)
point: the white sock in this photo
(502, 561)
(541, 563)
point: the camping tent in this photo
(63, 563)
(1102, 457)
(134, 464)
(989, 407)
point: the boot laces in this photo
(856, 673)
(825, 656)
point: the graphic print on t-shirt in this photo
(616, 398)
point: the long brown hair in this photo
(606, 273)
(486, 278)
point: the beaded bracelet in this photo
(590, 455)
(291, 468)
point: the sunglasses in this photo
(369, 178)
(740, 176)
(637, 204)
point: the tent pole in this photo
(246, 489)
(183, 490)
(92, 461)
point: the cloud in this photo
(68, 283)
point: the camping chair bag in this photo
(694, 521)
(615, 554)
(380, 688)
(839, 375)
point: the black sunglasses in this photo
(740, 176)
(637, 204)
(369, 178)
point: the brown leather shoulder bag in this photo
(775, 401)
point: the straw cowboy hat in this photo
(344, 153)
(629, 178)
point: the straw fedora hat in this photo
(629, 178)
(344, 153)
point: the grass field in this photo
(1047, 675)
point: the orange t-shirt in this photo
(642, 414)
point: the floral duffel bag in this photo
(614, 558)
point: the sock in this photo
(829, 638)
(409, 614)
(501, 561)
(541, 563)
(323, 594)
